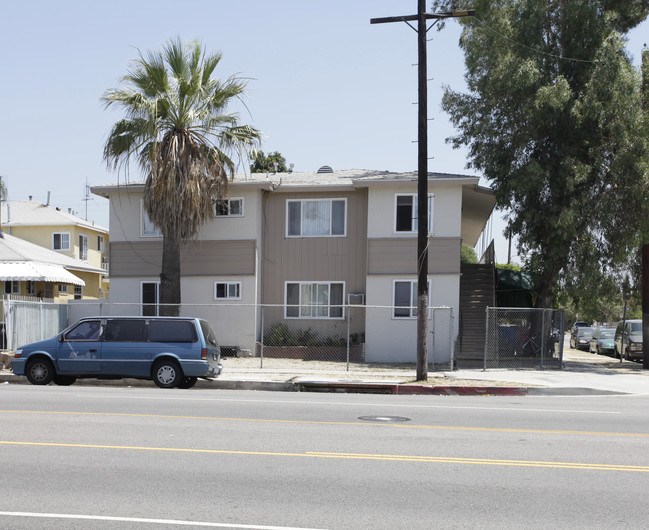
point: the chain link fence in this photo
(304, 338)
(524, 338)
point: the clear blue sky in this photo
(326, 87)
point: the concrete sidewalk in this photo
(583, 374)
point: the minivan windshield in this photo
(585, 332)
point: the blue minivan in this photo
(172, 351)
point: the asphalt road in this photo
(98, 457)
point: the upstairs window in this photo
(83, 247)
(147, 228)
(316, 218)
(61, 241)
(232, 207)
(407, 213)
(100, 243)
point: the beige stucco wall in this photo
(447, 210)
(390, 339)
(126, 218)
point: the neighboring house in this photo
(67, 235)
(30, 270)
(310, 243)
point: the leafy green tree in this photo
(468, 255)
(262, 163)
(553, 119)
(178, 129)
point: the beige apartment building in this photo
(310, 243)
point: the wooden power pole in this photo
(422, 171)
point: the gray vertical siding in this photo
(313, 258)
(399, 256)
(199, 258)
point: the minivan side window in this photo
(125, 331)
(88, 330)
(172, 331)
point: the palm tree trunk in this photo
(170, 276)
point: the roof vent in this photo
(325, 169)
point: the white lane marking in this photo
(149, 521)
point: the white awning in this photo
(37, 272)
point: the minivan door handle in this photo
(92, 349)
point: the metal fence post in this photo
(432, 345)
(349, 328)
(450, 337)
(542, 336)
(261, 340)
(486, 342)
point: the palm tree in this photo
(178, 130)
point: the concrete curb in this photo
(354, 387)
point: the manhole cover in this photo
(384, 419)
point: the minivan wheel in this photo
(40, 371)
(167, 374)
(188, 382)
(64, 380)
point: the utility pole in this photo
(422, 171)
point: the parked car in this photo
(628, 339)
(171, 351)
(602, 341)
(580, 338)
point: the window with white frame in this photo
(61, 241)
(232, 207)
(316, 217)
(83, 247)
(31, 288)
(314, 299)
(78, 292)
(404, 296)
(147, 228)
(227, 290)
(407, 213)
(12, 287)
(63, 289)
(100, 243)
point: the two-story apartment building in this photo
(307, 244)
(66, 234)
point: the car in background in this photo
(602, 341)
(578, 324)
(628, 340)
(581, 339)
(171, 351)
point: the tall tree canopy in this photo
(553, 119)
(262, 162)
(178, 128)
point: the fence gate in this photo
(519, 337)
